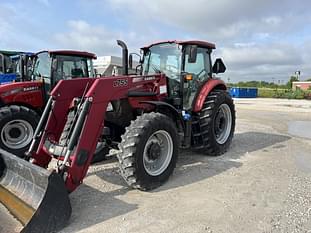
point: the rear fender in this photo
(209, 85)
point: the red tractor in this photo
(175, 102)
(21, 103)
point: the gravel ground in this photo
(262, 184)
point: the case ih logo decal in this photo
(149, 78)
(120, 83)
(30, 88)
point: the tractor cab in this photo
(186, 64)
(13, 66)
(53, 66)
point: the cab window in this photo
(43, 65)
(201, 68)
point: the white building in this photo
(110, 65)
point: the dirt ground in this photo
(262, 184)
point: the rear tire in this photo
(216, 124)
(148, 151)
(17, 126)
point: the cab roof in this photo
(200, 43)
(14, 53)
(70, 53)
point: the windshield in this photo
(163, 58)
(42, 66)
(72, 67)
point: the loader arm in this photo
(78, 153)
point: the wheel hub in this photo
(220, 122)
(223, 123)
(158, 152)
(154, 151)
(16, 134)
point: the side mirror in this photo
(139, 69)
(131, 61)
(219, 66)
(192, 58)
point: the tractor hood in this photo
(27, 93)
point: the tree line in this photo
(264, 84)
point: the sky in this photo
(257, 40)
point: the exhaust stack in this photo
(124, 57)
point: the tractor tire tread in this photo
(128, 147)
(209, 147)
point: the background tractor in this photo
(14, 66)
(21, 103)
(144, 119)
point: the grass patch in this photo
(284, 93)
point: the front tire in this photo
(17, 126)
(100, 152)
(216, 124)
(148, 151)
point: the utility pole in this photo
(297, 73)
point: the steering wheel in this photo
(201, 74)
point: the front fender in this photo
(209, 85)
(166, 108)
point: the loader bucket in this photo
(34, 196)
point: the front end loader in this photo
(173, 102)
(33, 195)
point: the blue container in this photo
(241, 92)
(7, 78)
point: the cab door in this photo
(42, 72)
(199, 71)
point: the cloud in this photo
(19, 30)
(83, 36)
(44, 2)
(215, 18)
(263, 61)
(254, 55)
(257, 39)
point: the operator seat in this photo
(77, 72)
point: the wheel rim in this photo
(158, 153)
(223, 123)
(16, 134)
